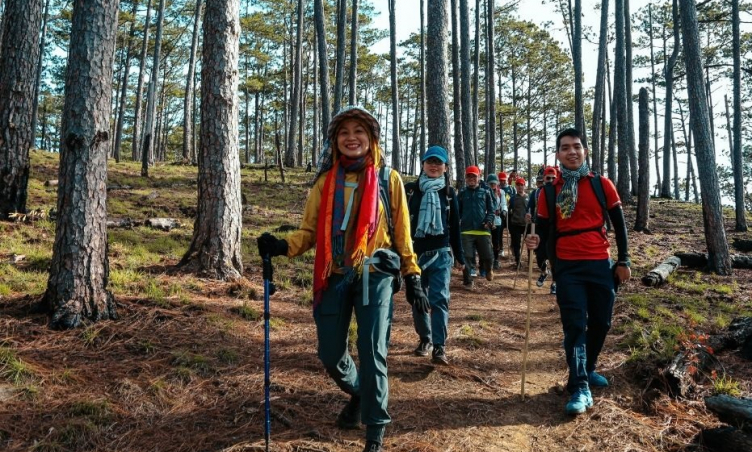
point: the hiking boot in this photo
(490, 275)
(597, 380)
(483, 273)
(553, 288)
(541, 279)
(439, 356)
(372, 446)
(580, 401)
(496, 265)
(423, 348)
(469, 285)
(349, 417)
(473, 273)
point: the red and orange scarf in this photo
(330, 219)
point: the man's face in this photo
(471, 180)
(520, 189)
(549, 179)
(502, 183)
(571, 153)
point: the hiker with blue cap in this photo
(357, 219)
(435, 229)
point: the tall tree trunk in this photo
(79, 269)
(395, 87)
(668, 123)
(147, 148)
(422, 79)
(19, 60)
(491, 87)
(655, 95)
(340, 69)
(316, 129)
(476, 83)
(40, 69)
(514, 119)
(600, 87)
(613, 126)
(630, 102)
(189, 88)
(459, 152)
(620, 96)
(353, 57)
(467, 106)
(579, 115)
(136, 142)
(296, 95)
(216, 245)
(719, 260)
(437, 92)
(736, 151)
(318, 14)
(643, 181)
(124, 84)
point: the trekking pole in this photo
(527, 320)
(269, 289)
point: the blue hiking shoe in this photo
(597, 380)
(580, 401)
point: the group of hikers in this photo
(373, 234)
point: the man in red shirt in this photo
(584, 272)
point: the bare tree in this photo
(668, 127)
(318, 17)
(467, 106)
(422, 78)
(147, 148)
(736, 152)
(136, 142)
(296, 95)
(124, 84)
(339, 80)
(655, 95)
(18, 65)
(600, 88)
(630, 103)
(215, 248)
(190, 93)
(353, 55)
(395, 87)
(719, 260)
(459, 153)
(437, 92)
(579, 115)
(643, 181)
(40, 69)
(491, 89)
(620, 96)
(79, 269)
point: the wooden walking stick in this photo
(527, 320)
(519, 264)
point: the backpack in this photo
(448, 192)
(550, 191)
(384, 174)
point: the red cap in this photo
(502, 175)
(472, 170)
(520, 181)
(550, 171)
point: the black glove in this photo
(415, 294)
(268, 245)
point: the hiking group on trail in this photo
(371, 233)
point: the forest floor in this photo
(182, 368)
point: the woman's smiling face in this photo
(352, 139)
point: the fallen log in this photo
(700, 260)
(738, 334)
(732, 411)
(127, 223)
(659, 274)
(165, 224)
(50, 183)
(725, 439)
(681, 371)
(745, 246)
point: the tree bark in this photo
(19, 60)
(437, 93)
(476, 82)
(215, 249)
(124, 84)
(655, 96)
(620, 95)
(643, 182)
(700, 260)
(395, 87)
(736, 152)
(422, 79)
(147, 148)
(600, 85)
(40, 69)
(731, 410)
(719, 260)
(296, 95)
(579, 114)
(326, 115)
(136, 142)
(353, 58)
(459, 152)
(79, 269)
(668, 123)
(491, 87)
(189, 87)
(340, 69)
(630, 102)
(660, 274)
(465, 63)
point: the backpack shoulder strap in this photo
(550, 191)
(597, 184)
(384, 174)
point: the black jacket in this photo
(450, 219)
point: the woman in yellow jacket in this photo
(357, 265)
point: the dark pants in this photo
(585, 294)
(541, 256)
(496, 240)
(373, 319)
(485, 253)
(515, 233)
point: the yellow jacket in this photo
(304, 238)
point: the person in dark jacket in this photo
(476, 222)
(435, 230)
(517, 221)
